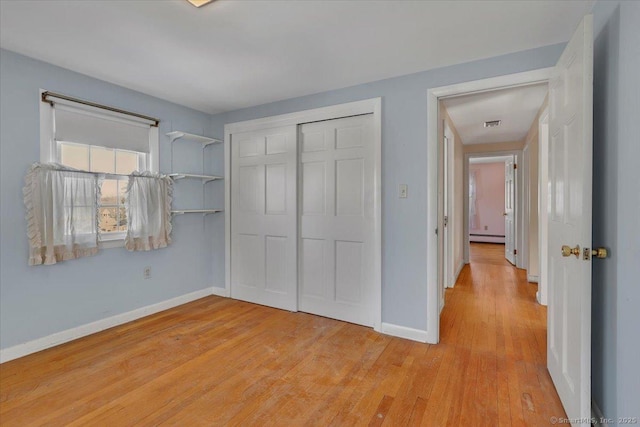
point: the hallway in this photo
(499, 330)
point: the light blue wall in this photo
(616, 209)
(404, 161)
(38, 301)
(628, 250)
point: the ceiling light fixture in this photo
(199, 3)
(492, 123)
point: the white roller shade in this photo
(72, 125)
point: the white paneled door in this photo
(569, 223)
(263, 226)
(336, 208)
(509, 211)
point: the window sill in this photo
(112, 241)
(108, 244)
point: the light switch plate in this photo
(404, 190)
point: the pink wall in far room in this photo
(489, 201)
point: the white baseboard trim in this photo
(533, 279)
(404, 332)
(99, 325)
(596, 415)
(221, 292)
(458, 271)
(486, 239)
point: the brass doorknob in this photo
(599, 253)
(504, 214)
(568, 250)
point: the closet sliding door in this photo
(264, 219)
(337, 219)
(303, 218)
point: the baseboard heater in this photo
(486, 238)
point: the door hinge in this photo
(515, 252)
(515, 166)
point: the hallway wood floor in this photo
(217, 361)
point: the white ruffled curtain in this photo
(62, 213)
(149, 211)
(472, 200)
(62, 206)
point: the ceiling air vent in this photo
(492, 123)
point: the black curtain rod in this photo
(47, 94)
(106, 175)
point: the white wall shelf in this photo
(200, 211)
(204, 178)
(204, 142)
(179, 135)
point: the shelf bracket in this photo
(175, 135)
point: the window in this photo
(95, 140)
(114, 163)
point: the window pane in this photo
(122, 223)
(109, 192)
(108, 219)
(74, 156)
(122, 190)
(102, 160)
(126, 162)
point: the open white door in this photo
(543, 202)
(450, 231)
(569, 223)
(263, 222)
(509, 211)
(446, 259)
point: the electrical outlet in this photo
(147, 273)
(404, 189)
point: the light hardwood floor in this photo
(217, 361)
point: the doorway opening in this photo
(491, 199)
(568, 210)
(498, 167)
(499, 172)
(489, 178)
(490, 100)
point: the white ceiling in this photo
(233, 54)
(516, 108)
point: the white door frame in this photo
(433, 257)
(543, 192)
(368, 106)
(525, 196)
(450, 234)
